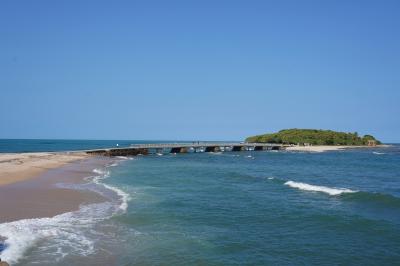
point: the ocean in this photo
(54, 145)
(227, 208)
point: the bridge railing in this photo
(199, 144)
(133, 147)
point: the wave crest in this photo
(327, 190)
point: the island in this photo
(306, 139)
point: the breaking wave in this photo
(381, 200)
(328, 190)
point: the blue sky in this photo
(207, 70)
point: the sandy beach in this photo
(28, 184)
(323, 148)
(15, 167)
(42, 185)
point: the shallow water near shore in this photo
(233, 208)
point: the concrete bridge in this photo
(161, 148)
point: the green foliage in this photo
(313, 136)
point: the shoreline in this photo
(30, 183)
(324, 148)
(63, 202)
(56, 189)
(42, 196)
(16, 167)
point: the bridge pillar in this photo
(127, 152)
(143, 151)
(199, 149)
(212, 149)
(176, 150)
(238, 148)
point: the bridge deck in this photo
(200, 145)
(137, 149)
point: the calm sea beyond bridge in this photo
(192, 147)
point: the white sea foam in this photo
(328, 190)
(98, 171)
(120, 159)
(124, 196)
(67, 233)
(125, 157)
(378, 153)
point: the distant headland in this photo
(315, 137)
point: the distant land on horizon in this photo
(314, 137)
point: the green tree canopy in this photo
(313, 136)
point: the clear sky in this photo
(189, 70)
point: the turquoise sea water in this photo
(43, 145)
(233, 208)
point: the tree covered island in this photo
(314, 137)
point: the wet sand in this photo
(37, 195)
(15, 167)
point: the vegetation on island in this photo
(313, 137)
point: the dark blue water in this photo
(237, 208)
(242, 208)
(42, 145)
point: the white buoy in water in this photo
(117, 144)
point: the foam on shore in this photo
(124, 197)
(70, 232)
(66, 231)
